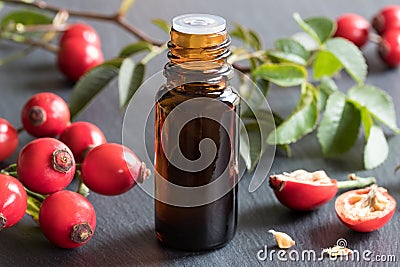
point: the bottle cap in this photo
(198, 24)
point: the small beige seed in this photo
(282, 239)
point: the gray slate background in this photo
(124, 235)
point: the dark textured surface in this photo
(125, 236)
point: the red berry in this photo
(45, 115)
(8, 139)
(112, 169)
(13, 201)
(45, 165)
(365, 210)
(389, 48)
(387, 19)
(354, 28)
(76, 57)
(82, 136)
(67, 219)
(81, 31)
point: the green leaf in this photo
(162, 24)
(326, 87)
(338, 129)
(25, 17)
(376, 150)
(32, 208)
(89, 86)
(135, 48)
(319, 28)
(130, 78)
(291, 46)
(125, 6)
(302, 121)
(284, 74)
(326, 64)
(239, 32)
(378, 103)
(350, 56)
(254, 40)
(286, 57)
(367, 121)
(253, 137)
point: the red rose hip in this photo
(112, 169)
(8, 139)
(365, 210)
(80, 137)
(45, 115)
(387, 19)
(354, 28)
(389, 48)
(76, 57)
(13, 201)
(67, 219)
(45, 166)
(302, 190)
(81, 31)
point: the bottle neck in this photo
(198, 59)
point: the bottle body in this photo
(196, 139)
(206, 226)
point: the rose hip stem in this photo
(356, 182)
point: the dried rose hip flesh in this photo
(365, 210)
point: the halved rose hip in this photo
(302, 190)
(365, 210)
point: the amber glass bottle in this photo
(196, 138)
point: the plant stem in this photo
(36, 196)
(356, 182)
(116, 18)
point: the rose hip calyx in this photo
(81, 232)
(62, 160)
(37, 115)
(3, 222)
(144, 173)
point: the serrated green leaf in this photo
(350, 56)
(326, 87)
(367, 121)
(284, 74)
(114, 62)
(135, 48)
(324, 27)
(25, 17)
(91, 84)
(125, 6)
(162, 24)
(319, 28)
(302, 121)
(326, 64)
(130, 78)
(254, 40)
(289, 45)
(378, 103)
(338, 129)
(376, 150)
(286, 57)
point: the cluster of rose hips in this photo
(80, 50)
(386, 23)
(46, 166)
